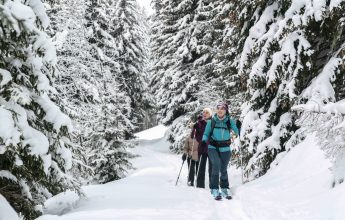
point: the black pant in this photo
(193, 170)
(200, 182)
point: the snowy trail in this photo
(297, 188)
(149, 192)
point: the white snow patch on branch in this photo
(330, 108)
(38, 8)
(8, 132)
(6, 77)
(35, 139)
(53, 113)
(335, 3)
(15, 12)
(321, 88)
(8, 175)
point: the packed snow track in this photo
(287, 192)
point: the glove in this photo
(184, 156)
(204, 143)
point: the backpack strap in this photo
(239, 125)
(213, 125)
(228, 125)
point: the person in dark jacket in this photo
(199, 129)
(218, 134)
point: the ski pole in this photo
(197, 172)
(191, 159)
(241, 159)
(178, 177)
(241, 156)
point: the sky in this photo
(146, 4)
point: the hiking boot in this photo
(225, 193)
(216, 194)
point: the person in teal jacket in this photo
(219, 152)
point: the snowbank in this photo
(152, 133)
(61, 203)
(299, 187)
(6, 211)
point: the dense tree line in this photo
(72, 93)
(264, 58)
(74, 79)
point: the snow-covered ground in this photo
(298, 188)
(6, 211)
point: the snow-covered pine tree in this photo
(322, 105)
(79, 74)
(131, 43)
(174, 79)
(35, 149)
(109, 157)
(277, 62)
(157, 52)
(177, 93)
(112, 124)
(203, 45)
(227, 45)
(148, 103)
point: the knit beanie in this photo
(208, 110)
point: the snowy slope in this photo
(6, 211)
(298, 188)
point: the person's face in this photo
(221, 111)
(205, 115)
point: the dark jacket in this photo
(199, 129)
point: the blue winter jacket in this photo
(220, 132)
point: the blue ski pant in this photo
(219, 173)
